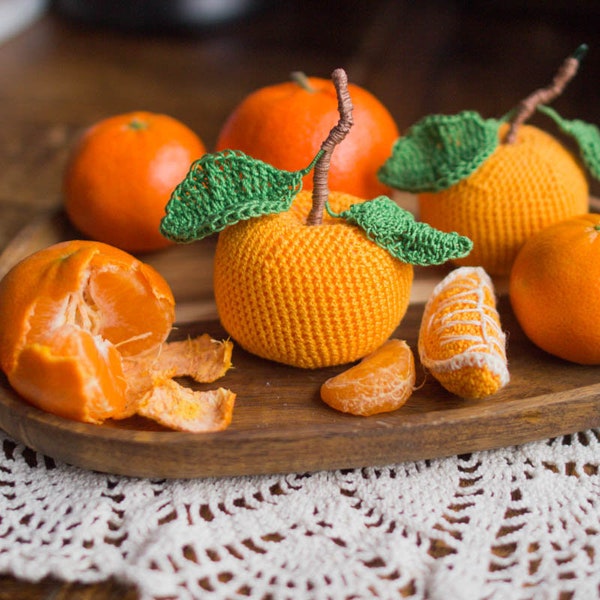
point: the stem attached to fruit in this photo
(302, 80)
(320, 193)
(527, 106)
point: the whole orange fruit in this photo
(121, 174)
(308, 295)
(284, 125)
(520, 189)
(554, 289)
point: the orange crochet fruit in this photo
(308, 296)
(381, 382)
(461, 342)
(285, 124)
(83, 334)
(121, 175)
(555, 289)
(520, 189)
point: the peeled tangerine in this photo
(381, 382)
(83, 334)
(461, 341)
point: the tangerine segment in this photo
(71, 374)
(461, 341)
(308, 296)
(381, 382)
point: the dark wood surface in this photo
(59, 76)
(280, 425)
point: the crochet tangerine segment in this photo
(308, 296)
(521, 188)
(461, 341)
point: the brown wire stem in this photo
(545, 95)
(336, 135)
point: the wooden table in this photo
(59, 76)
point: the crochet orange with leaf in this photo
(305, 278)
(497, 181)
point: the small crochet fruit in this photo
(554, 289)
(461, 342)
(284, 125)
(121, 174)
(306, 280)
(381, 382)
(83, 336)
(496, 181)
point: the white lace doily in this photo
(517, 523)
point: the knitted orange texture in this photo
(269, 287)
(461, 341)
(521, 188)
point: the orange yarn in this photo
(461, 341)
(521, 188)
(308, 296)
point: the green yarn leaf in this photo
(585, 134)
(224, 188)
(439, 151)
(396, 230)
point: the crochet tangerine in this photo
(521, 188)
(120, 176)
(497, 181)
(461, 342)
(285, 124)
(309, 279)
(554, 289)
(82, 326)
(308, 296)
(381, 382)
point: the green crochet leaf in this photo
(586, 135)
(397, 231)
(439, 151)
(226, 187)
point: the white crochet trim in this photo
(520, 523)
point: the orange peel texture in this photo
(84, 326)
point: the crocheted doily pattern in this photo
(515, 523)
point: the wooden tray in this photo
(280, 424)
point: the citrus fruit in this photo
(309, 296)
(521, 188)
(554, 289)
(284, 125)
(83, 334)
(120, 176)
(381, 382)
(461, 342)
